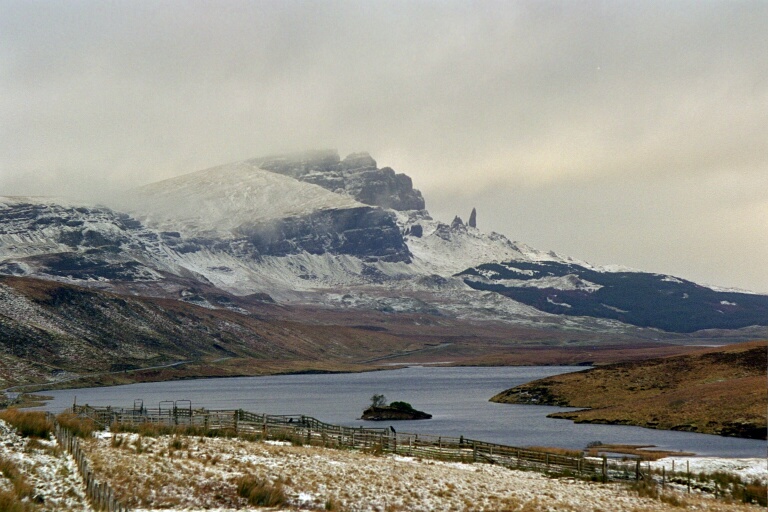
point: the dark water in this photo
(456, 397)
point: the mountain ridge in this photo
(308, 230)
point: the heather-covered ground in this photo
(720, 390)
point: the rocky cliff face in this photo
(356, 175)
(370, 234)
(77, 242)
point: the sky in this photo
(616, 132)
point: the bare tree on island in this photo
(378, 400)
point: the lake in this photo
(457, 398)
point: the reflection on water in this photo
(457, 398)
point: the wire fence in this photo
(300, 429)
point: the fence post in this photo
(605, 468)
(637, 470)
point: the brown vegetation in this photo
(643, 452)
(122, 339)
(80, 427)
(199, 473)
(28, 423)
(716, 391)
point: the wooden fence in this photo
(100, 494)
(307, 430)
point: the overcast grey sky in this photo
(630, 132)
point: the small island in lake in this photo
(380, 411)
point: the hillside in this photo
(52, 332)
(57, 334)
(715, 391)
(638, 298)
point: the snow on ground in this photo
(747, 469)
(195, 473)
(202, 473)
(49, 470)
(220, 199)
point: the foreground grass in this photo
(175, 471)
(28, 423)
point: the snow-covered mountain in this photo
(315, 229)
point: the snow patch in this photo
(216, 201)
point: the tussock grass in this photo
(753, 493)
(28, 423)
(148, 429)
(80, 427)
(9, 502)
(21, 486)
(261, 492)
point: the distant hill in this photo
(716, 391)
(638, 298)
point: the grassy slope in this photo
(716, 391)
(50, 331)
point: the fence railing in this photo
(100, 494)
(308, 430)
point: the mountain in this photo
(311, 236)
(638, 298)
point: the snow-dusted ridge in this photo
(217, 201)
(246, 229)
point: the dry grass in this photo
(262, 492)
(557, 451)
(16, 497)
(174, 471)
(641, 451)
(723, 391)
(80, 427)
(28, 423)
(9, 502)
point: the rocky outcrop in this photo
(388, 413)
(368, 233)
(357, 175)
(473, 218)
(76, 242)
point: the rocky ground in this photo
(195, 473)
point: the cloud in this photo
(472, 99)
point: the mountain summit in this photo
(317, 230)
